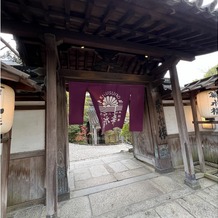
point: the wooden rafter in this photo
(24, 11)
(67, 5)
(125, 17)
(95, 41)
(89, 6)
(104, 19)
(138, 24)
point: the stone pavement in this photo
(118, 185)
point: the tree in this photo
(77, 133)
(127, 135)
(211, 72)
(9, 55)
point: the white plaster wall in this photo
(28, 131)
(171, 121)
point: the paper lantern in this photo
(208, 103)
(7, 98)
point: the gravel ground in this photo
(82, 152)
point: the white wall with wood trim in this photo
(28, 133)
(208, 136)
(27, 164)
(171, 121)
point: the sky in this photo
(187, 71)
(190, 71)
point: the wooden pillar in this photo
(163, 162)
(5, 160)
(62, 141)
(197, 133)
(95, 135)
(190, 178)
(51, 127)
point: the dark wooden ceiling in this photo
(125, 36)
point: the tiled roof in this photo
(198, 7)
(206, 83)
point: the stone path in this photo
(84, 152)
(117, 185)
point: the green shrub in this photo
(127, 135)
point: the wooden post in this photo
(51, 127)
(163, 162)
(190, 178)
(62, 141)
(197, 133)
(95, 135)
(5, 160)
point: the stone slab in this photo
(99, 188)
(85, 164)
(82, 174)
(146, 214)
(97, 171)
(165, 184)
(118, 167)
(172, 210)
(147, 204)
(131, 173)
(198, 207)
(209, 198)
(113, 199)
(94, 182)
(75, 208)
(116, 157)
(130, 164)
(34, 212)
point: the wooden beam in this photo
(94, 76)
(197, 133)
(92, 41)
(160, 71)
(190, 178)
(8, 45)
(122, 46)
(5, 160)
(51, 127)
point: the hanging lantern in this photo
(7, 98)
(208, 103)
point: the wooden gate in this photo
(143, 141)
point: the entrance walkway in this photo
(117, 185)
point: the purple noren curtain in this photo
(110, 102)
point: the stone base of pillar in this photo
(63, 188)
(191, 181)
(64, 197)
(52, 216)
(163, 165)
